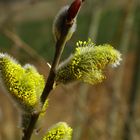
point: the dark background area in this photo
(107, 111)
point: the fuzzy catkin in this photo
(87, 63)
(24, 84)
(59, 131)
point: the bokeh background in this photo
(107, 111)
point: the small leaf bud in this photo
(66, 17)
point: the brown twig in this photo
(60, 44)
(49, 84)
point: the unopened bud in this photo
(73, 10)
(66, 17)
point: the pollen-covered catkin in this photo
(59, 131)
(87, 63)
(24, 84)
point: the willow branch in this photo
(60, 44)
(49, 84)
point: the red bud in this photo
(73, 10)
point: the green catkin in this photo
(60, 131)
(87, 63)
(24, 84)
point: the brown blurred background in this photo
(107, 111)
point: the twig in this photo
(60, 44)
(49, 84)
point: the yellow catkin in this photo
(87, 63)
(60, 131)
(24, 84)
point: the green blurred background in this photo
(107, 111)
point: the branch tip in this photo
(73, 10)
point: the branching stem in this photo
(50, 81)
(60, 44)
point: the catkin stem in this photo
(60, 44)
